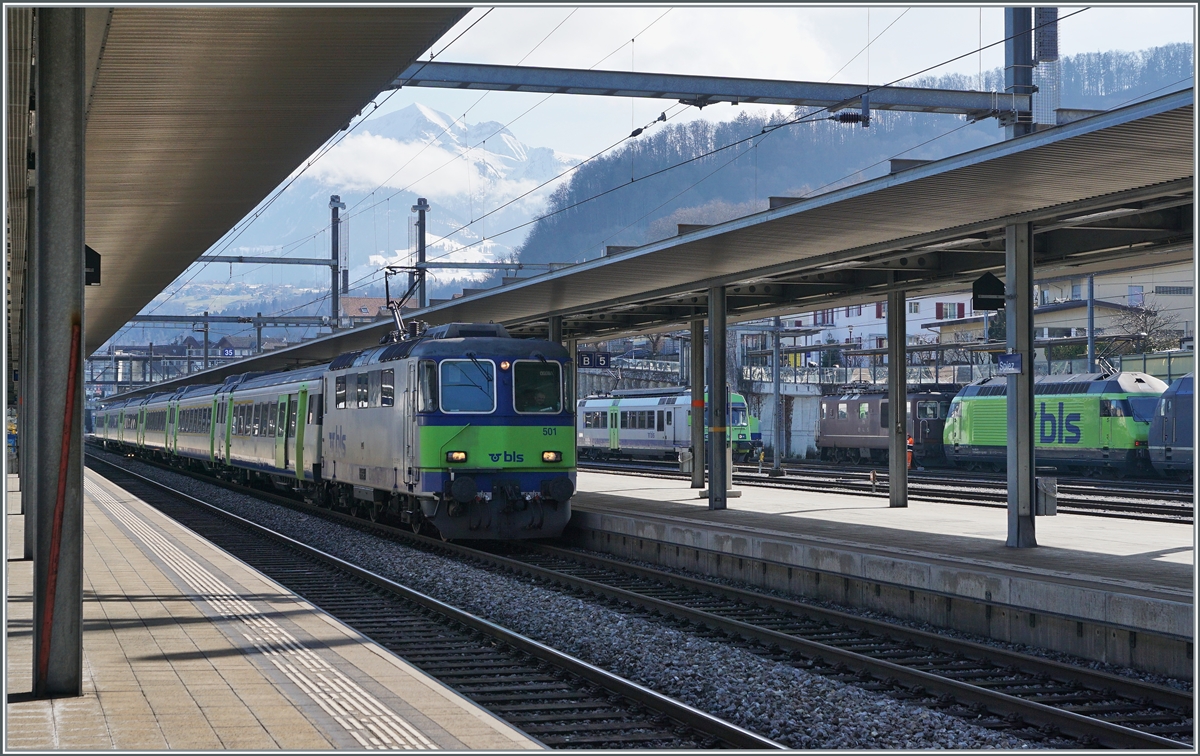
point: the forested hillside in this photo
(623, 199)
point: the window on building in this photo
(1174, 291)
(853, 310)
(1136, 298)
(1076, 291)
(914, 308)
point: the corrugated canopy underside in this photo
(196, 114)
(1144, 150)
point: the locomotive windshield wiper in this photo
(479, 366)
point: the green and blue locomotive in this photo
(1084, 422)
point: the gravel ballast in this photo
(797, 708)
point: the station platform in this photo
(1109, 589)
(185, 647)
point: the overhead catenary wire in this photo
(807, 117)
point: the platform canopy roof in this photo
(1100, 192)
(194, 114)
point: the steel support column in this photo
(58, 559)
(777, 414)
(1091, 326)
(897, 401)
(696, 370)
(1018, 62)
(718, 401)
(555, 329)
(27, 386)
(570, 399)
(1018, 307)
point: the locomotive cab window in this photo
(842, 410)
(427, 371)
(737, 415)
(340, 393)
(537, 386)
(864, 410)
(468, 385)
(927, 410)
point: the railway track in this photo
(559, 700)
(1033, 698)
(1096, 498)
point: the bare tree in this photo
(1150, 327)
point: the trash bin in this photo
(685, 461)
(1047, 492)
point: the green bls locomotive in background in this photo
(1083, 422)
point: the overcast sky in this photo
(798, 43)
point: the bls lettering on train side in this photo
(507, 456)
(1060, 429)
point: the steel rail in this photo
(688, 716)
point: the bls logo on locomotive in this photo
(337, 439)
(1061, 429)
(508, 457)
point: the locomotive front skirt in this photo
(464, 429)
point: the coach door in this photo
(614, 428)
(412, 392)
(281, 409)
(290, 450)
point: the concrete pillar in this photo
(1018, 61)
(205, 340)
(777, 412)
(897, 401)
(58, 558)
(696, 370)
(258, 334)
(1018, 306)
(556, 333)
(718, 400)
(28, 388)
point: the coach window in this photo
(373, 389)
(363, 389)
(340, 392)
(842, 410)
(537, 386)
(661, 421)
(468, 385)
(272, 412)
(624, 419)
(670, 414)
(427, 372)
(387, 388)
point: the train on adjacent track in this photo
(654, 424)
(461, 428)
(1083, 423)
(1171, 431)
(1120, 423)
(852, 426)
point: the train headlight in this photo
(505, 365)
(456, 456)
(552, 456)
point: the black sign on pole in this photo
(987, 293)
(91, 266)
(602, 359)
